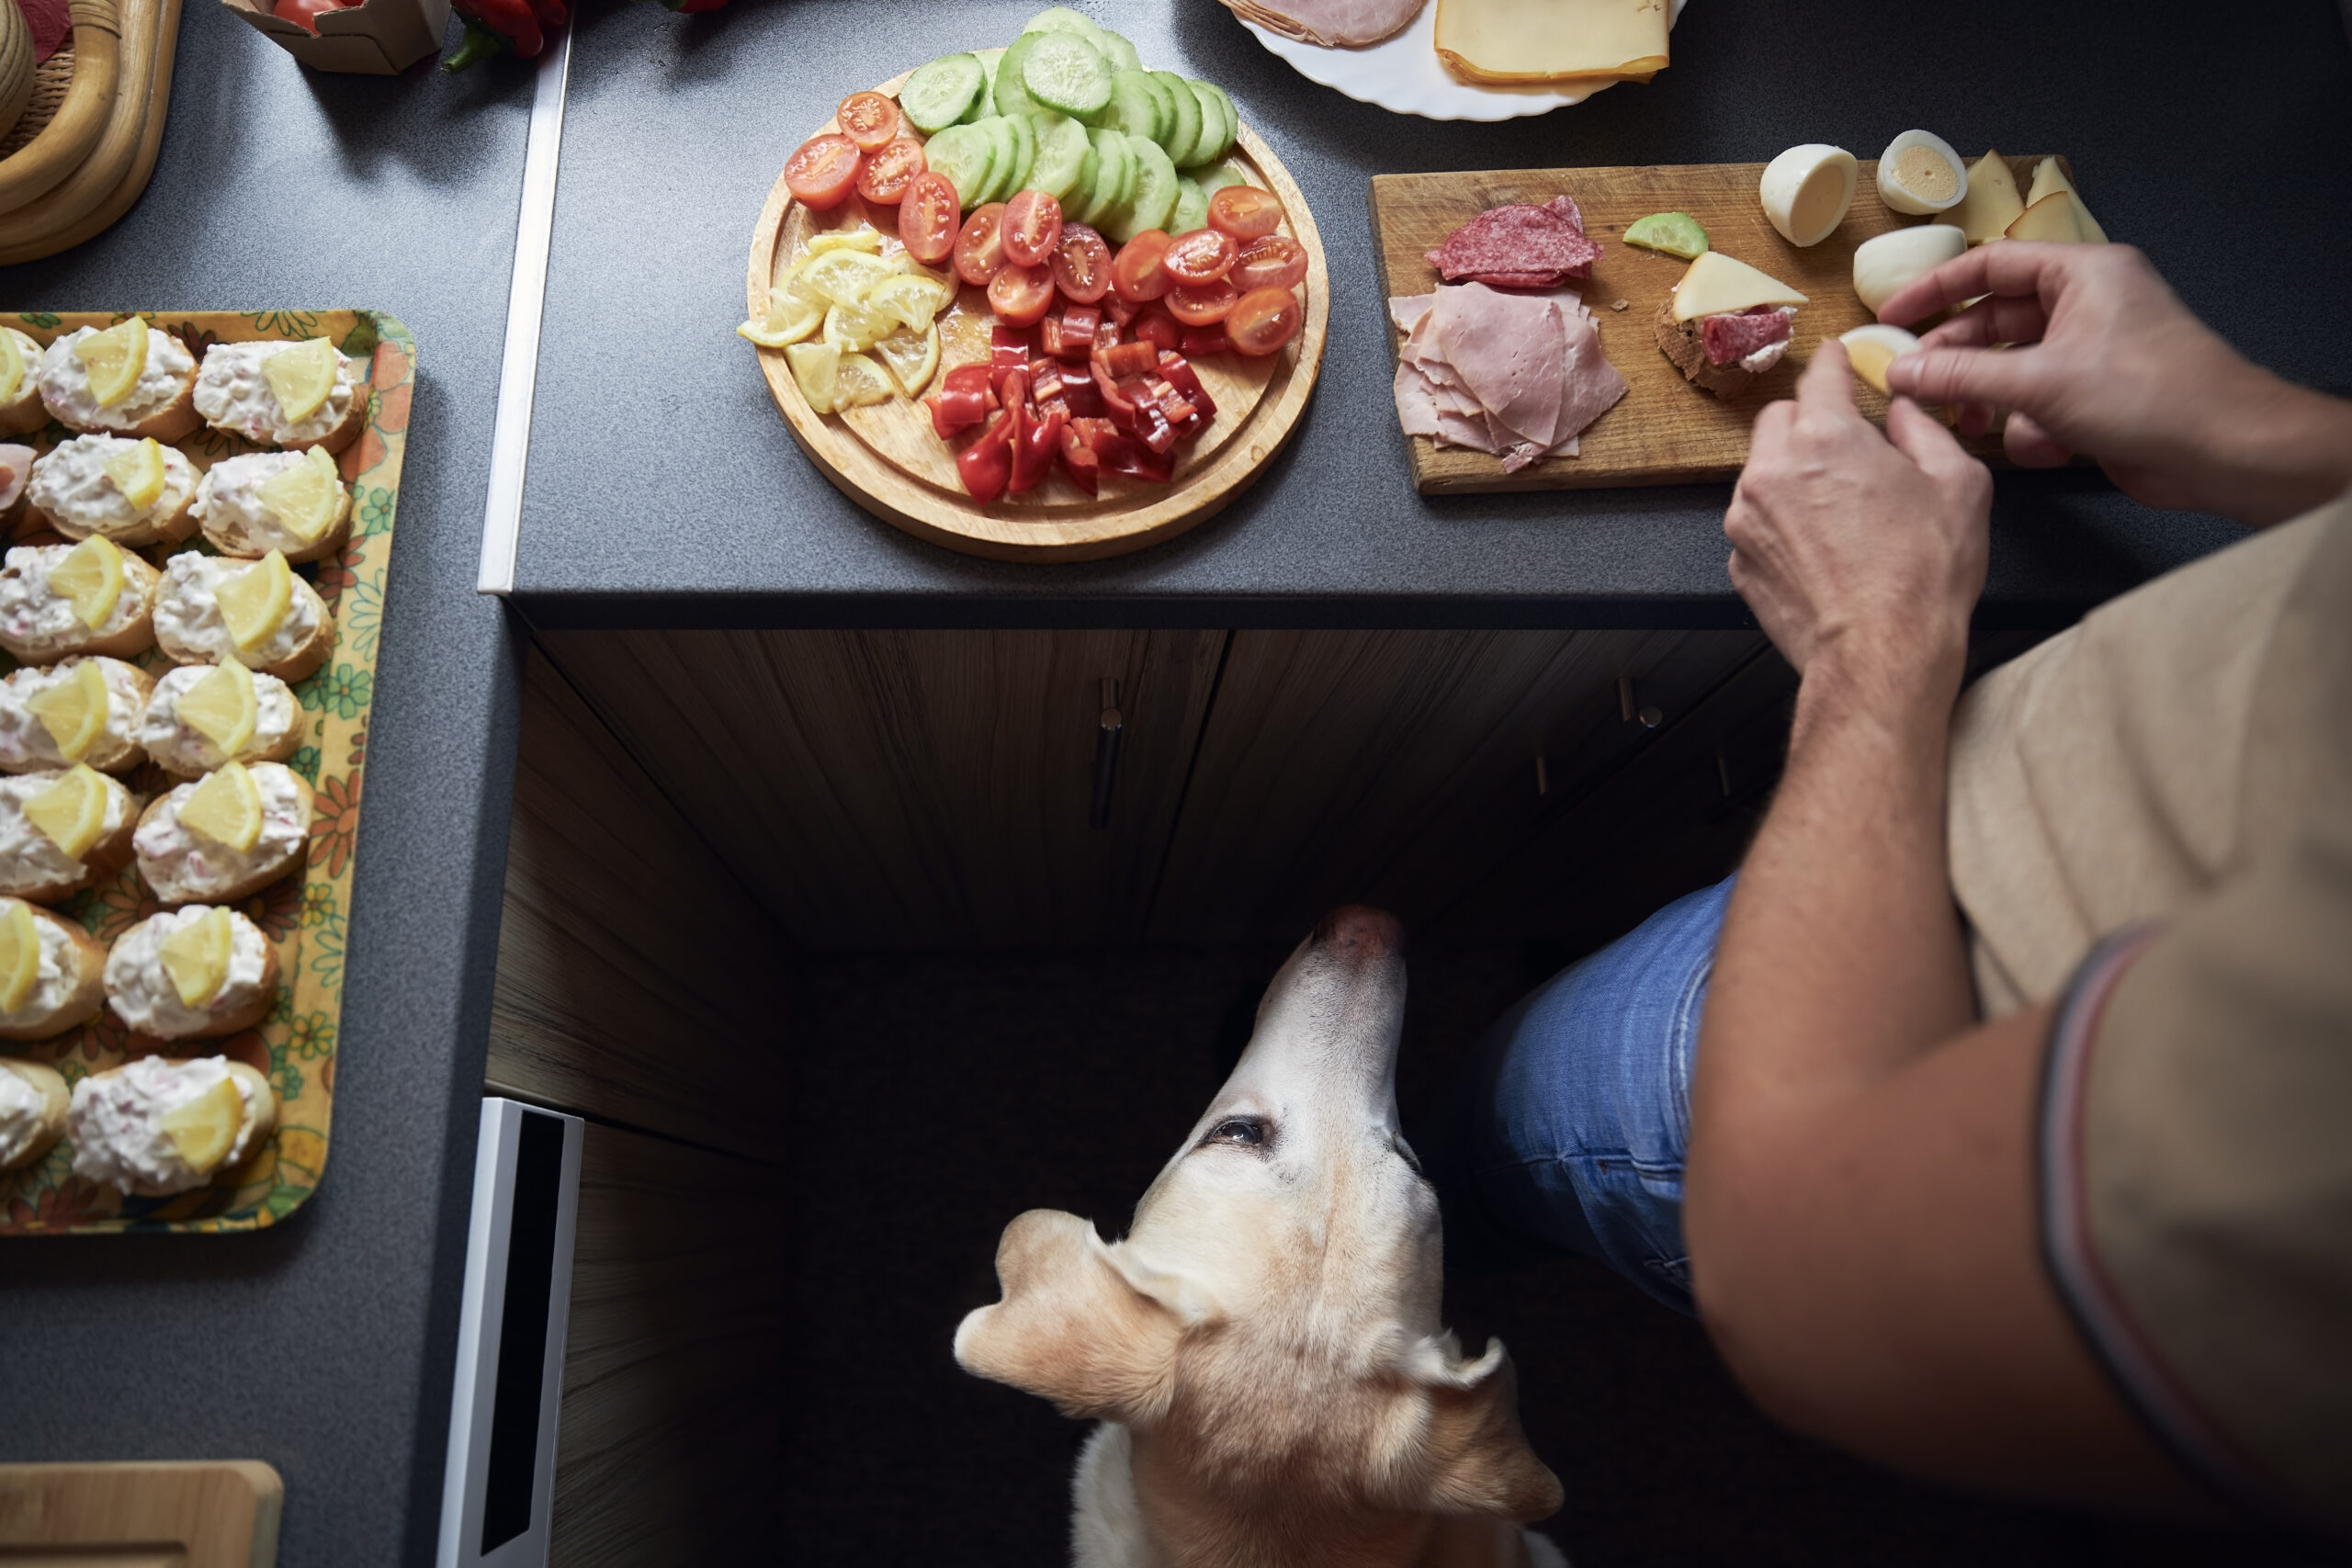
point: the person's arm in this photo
(1859, 1194)
(2107, 361)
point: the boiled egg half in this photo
(1871, 349)
(1887, 264)
(1920, 174)
(1806, 191)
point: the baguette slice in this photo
(1678, 341)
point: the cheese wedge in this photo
(2053, 219)
(2049, 176)
(19, 955)
(1992, 203)
(205, 1129)
(196, 957)
(225, 809)
(1510, 42)
(71, 813)
(1716, 285)
(74, 710)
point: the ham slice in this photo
(1334, 24)
(1507, 348)
(1520, 376)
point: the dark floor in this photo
(940, 1095)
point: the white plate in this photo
(1402, 73)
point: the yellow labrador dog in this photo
(1263, 1349)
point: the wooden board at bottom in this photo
(198, 1514)
(1665, 430)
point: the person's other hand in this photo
(2104, 359)
(1842, 537)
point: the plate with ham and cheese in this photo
(1476, 60)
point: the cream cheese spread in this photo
(30, 858)
(230, 505)
(232, 395)
(143, 995)
(188, 615)
(66, 382)
(71, 485)
(60, 970)
(39, 620)
(117, 1123)
(183, 866)
(180, 748)
(29, 390)
(23, 1111)
(26, 743)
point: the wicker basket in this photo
(82, 151)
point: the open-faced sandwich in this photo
(197, 973)
(227, 836)
(15, 482)
(59, 600)
(293, 502)
(203, 715)
(158, 1125)
(60, 832)
(21, 407)
(133, 492)
(258, 612)
(33, 1101)
(128, 379)
(1725, 323)
(52, 973)
(292, 395)
(79, 710)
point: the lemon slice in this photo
(912, 358)
(841, 277)
(71, 813)
(814, 366)
(853, 328)
(304, 496)
(225, 809)
(912, 302)
(254, 602)
(301, 376)
(90, 576)
(857, 238)
(19, 955)
(138, 471)
(196, 957)
(74, 710)
(220, 706)
(115, 359)
(205, 1129)
(12, 367)
(859, 382)
(793, 316)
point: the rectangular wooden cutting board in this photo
(1665, 431)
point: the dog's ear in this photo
(1081, 1324)
(1476, 1459)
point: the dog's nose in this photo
(1361, 932)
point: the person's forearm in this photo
(2271, 450)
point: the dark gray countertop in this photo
(324, 1345)
(663, 488)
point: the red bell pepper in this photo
(1077, 458)
(1199, 340)
(1040, 442)
(1156, 327)
(1125, 454)
(963, 399)
(1124, 359)
(1116, 405)
(986, 466)
(496, 26)
(1179, 373)
(1009, 349)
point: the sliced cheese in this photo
(2048, 176)
(1716, 285)
(1992, 203)
(1509, 41)
(2051, 220)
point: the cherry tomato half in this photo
(1263, 320)
(1245, 212)
(305, 14)
(980, 249)
(927, 218)
(1081, 264)
(888, 173)
(1202, 305)
(1135, 272)
(1271, 261)
(821, 170)
(1033, 227)
(1200, 257)
(1155, 327)
(869, 119)
(1021, 295)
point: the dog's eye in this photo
(1247, 1131)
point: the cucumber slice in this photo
(984, 103)
(1011, 96)
(1004, 153)
(1184, 136)
(1023, 132)
(1135, 107)
(1115, 172)
(1062, 19)
(1154, 197)
(1192, 206)
(1219, 123)
(1215, 178)
(1062, 147)
(1117, 51)
(936, 95)
(1066, 73)
(967, 156)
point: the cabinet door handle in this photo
(1109, 727)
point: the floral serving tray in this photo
(304, 916)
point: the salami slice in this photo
(1519, 246)
(1727, 338)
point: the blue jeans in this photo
(1577, 1115)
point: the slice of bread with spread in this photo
(113, 381)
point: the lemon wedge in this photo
(913, 302)
(220, 706)
(254, 603)
(858, 239)
(853, 328)
(12, 367)
(912, 358)
(301, 376)
(841, 277)
(137, 472)
(793, 316)
(196, 957)
(858, 381)
(205, 1129)
(115, 359)
(306, 495)
(90, 576)
(71, 813)
(225, 809)
(19, 955)
(816, 366)
(74, 710)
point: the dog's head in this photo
(1271, 1321)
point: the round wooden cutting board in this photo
(887, 459)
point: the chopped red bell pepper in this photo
(986, 466)
(1116, 405)
(1126, 454)
(1121, 310)
(1152, 427)
(1199, 340)
(1125, 359)
(964, 397)
(1045, 381)
(1084, 397)
(1039, 442)
(1156, 327)
(1180, 375)
(1010, 349)
(1077, 458)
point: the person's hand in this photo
(2106, 360)
(1846, 539)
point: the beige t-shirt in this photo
(2152, 817)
